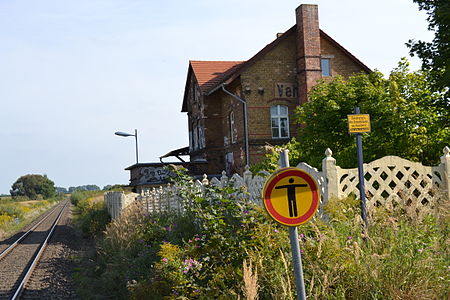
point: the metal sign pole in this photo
(362, 193)
(137, 155)
(293, 236)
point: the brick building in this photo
(236, 108)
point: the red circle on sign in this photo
(270, 185)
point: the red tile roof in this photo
(211, 73)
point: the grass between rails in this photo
(16, 214)
(226, 248)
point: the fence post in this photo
(224, 179)
(445, 162)
(329, 170)
(205, 180)
(247, 176)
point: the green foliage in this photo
(33, 187)
(435, 55)
(94, 219)
(90, 211)
(270, 163)
(199, 254)
(405, 119)
(115, 187)
(87, 187)
(80, 195)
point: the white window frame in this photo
(277, 118)
(326, 68)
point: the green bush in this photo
(77, 196)
(94, 219)
(91, 214)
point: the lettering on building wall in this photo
(286, 90)
(153, 175)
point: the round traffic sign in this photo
(291, 196)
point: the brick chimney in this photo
(308, 49)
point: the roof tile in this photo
(211, 73)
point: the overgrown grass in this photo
(90, 212)
(16, 214)
(201, 254)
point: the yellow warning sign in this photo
(358, 123)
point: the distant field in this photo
(5, 198)
(14, 215)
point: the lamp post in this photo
(124, 134)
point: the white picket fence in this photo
(388, 181)
(118, 201)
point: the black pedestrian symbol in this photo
(292, 201)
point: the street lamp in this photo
(120, 133)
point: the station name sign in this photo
(286, 90)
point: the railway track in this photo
(18, 261)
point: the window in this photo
(325, 64)
(195, 138)
(200, 136)
(232, 128)
(280, 121)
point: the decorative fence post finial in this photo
(205, 179)
(446, 151)
(224, 178)
(329, 170)
(247, 176)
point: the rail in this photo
(31, 263)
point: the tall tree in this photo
(435, 55)
(404, 116)
(32, 186)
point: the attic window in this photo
(325, 65)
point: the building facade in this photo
(237, 108)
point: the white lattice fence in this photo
(390, 180)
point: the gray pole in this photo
(362, 192)
(293, 237)
(135, 136)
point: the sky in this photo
(74, 72)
